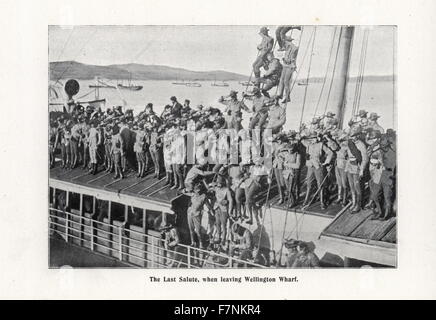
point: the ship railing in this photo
(133, 247)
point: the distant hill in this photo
(76, 70)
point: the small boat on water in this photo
(192, 84)
(129, 86)
(302, 83)
(219, 84)
(246, 83)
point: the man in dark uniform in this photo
(272, 74)
(176, 107)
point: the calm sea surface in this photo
(376, 96)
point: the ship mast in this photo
(342, 72)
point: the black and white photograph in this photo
(231, 146)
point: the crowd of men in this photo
(334, 160)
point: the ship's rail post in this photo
(67, 219)
(120, 238)
(92, 234)
(189, 257)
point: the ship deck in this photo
(146, 188)
(151, 188)
(360, 228)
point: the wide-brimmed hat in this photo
(233, 93)
(291, 243)
(263, 30)
(362, 113)
(373, 116)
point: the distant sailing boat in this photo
(130, 86)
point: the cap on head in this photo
(173, 98)
(233, 93)
(330, 114)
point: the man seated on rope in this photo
(232, 113)
(355, 166)
(263, 48)
(281, 35)
(289, 66)
(273, 70)
(318, 156)
(260, 108)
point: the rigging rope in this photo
(393, 75)
(359, 83)
(86, 94)
(65, 44)
(334, 71)
(71, 62)
(307, 78)
(326, 72)
(302, 61)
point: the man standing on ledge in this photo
(263, 49)
(289, 66)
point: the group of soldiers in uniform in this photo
(341, 162)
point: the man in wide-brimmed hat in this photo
(355, 166)
(271, 77)
(260, 108)
(263, 48)
(171, 239)
(276, 116)
(289, 63)
(281, 35)
(232, 114)
(223, 206)
(94, 140)
(318, 156)
(373, 124)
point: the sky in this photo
(206, 48)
